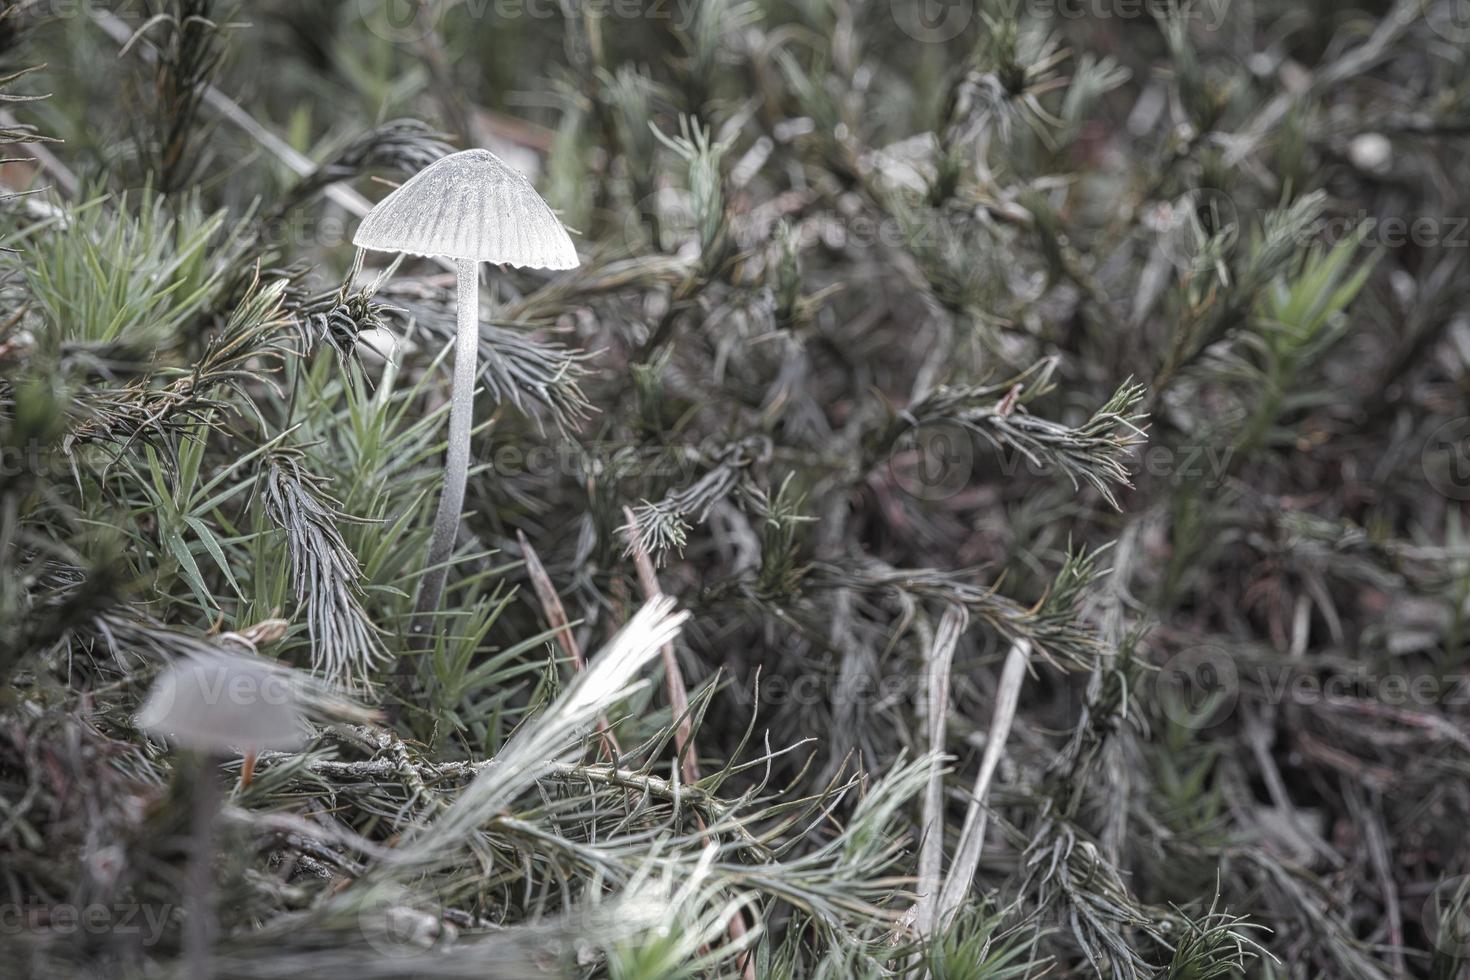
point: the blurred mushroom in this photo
(1371, 153)
(209, 707)
(470, 207)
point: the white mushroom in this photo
(470, 207)
(209, 706)
(220, 703)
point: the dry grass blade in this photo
(556, 618)
(673, 676)
(938, 660)
(961, 875)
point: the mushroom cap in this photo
(223, 702)
(469, 205)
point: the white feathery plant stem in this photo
(554, 733)
(457, 457)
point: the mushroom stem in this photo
(457, 458)
(199, 924)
